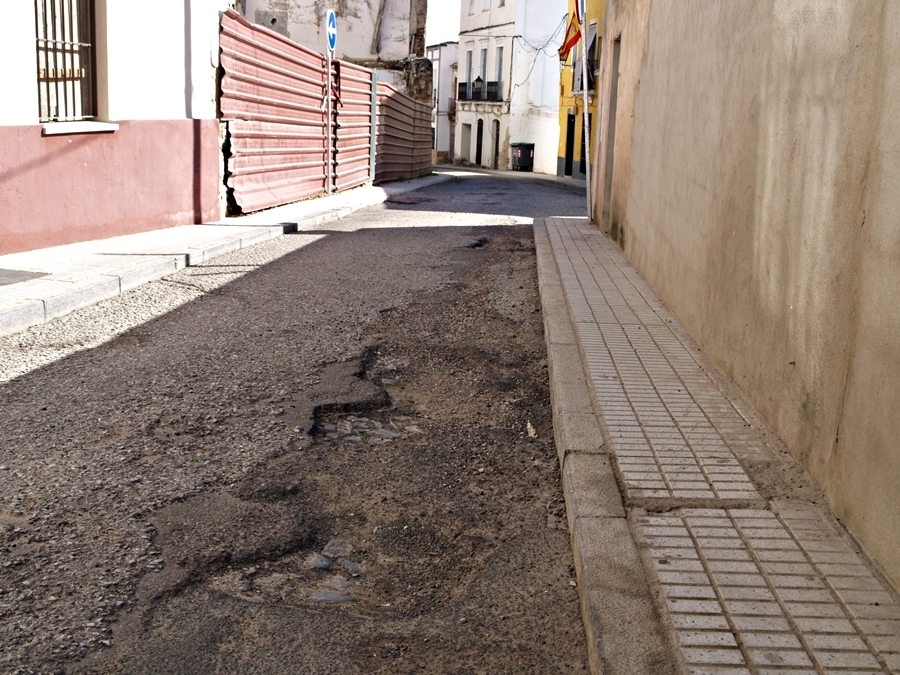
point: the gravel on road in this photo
(337, 439)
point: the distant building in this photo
(571, 156)
(508, 89)
(385, 35)
(444, 62)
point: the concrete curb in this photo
(623, 628)
(33, 307)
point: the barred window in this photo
(65, 59)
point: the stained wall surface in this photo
(156, 73)
(147, 175)
(752, 172)
(358, 20)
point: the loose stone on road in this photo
(330, 451)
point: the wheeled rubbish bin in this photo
(522, 156)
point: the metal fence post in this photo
(373, 132)
(328, 123)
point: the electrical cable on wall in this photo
(536, 51)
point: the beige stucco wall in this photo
(757, 158)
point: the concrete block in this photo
(578, 432)
(146, 272)
(558, 326)
(201, 254)
(568, 381)
(257, 237)
(590, 488)
(15, 317)
(624, 630)
(80, 295)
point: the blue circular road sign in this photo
(331, 29)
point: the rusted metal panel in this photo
(272, 164)
(353, 126)
(272, 96)
(404, 136)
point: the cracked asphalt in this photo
(173, 458)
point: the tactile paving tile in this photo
(671, 428)
(752, 591)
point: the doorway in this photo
(479, 141)
(582, 166)
(611, 138)
(570, 145)
(465, 143)
(496, 134)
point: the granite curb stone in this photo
(623, 630)
(740, 584)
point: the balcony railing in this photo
(480, 91)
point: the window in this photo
(593, 50)
(483, 69)
(576, 67)
(65, 59)
(578, 80)
(486, 6)
(471, 6)
(464, 89)
(502, 3)
(499, 64)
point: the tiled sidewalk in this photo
(744, 584)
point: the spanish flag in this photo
(573, 34)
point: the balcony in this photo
(480, 91)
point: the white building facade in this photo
(97, 141)
(444, 60)
(508, 81)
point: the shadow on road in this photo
(384, 385)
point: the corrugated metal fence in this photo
(273, 96)
(403, 146)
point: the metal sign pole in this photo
(373, 131)
(331, 33)
(587, 117)
(328, 121)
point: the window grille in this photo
(65, 59)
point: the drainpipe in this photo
(584, 91)
(329, 164)
(373, 130)
(376, 37)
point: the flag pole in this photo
(587, 118)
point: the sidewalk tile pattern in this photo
(672, 430)
(751, 591)
(770, 592)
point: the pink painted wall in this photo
(147, 175)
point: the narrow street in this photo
(328, 453)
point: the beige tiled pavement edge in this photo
(622, 624)
(745, 581)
